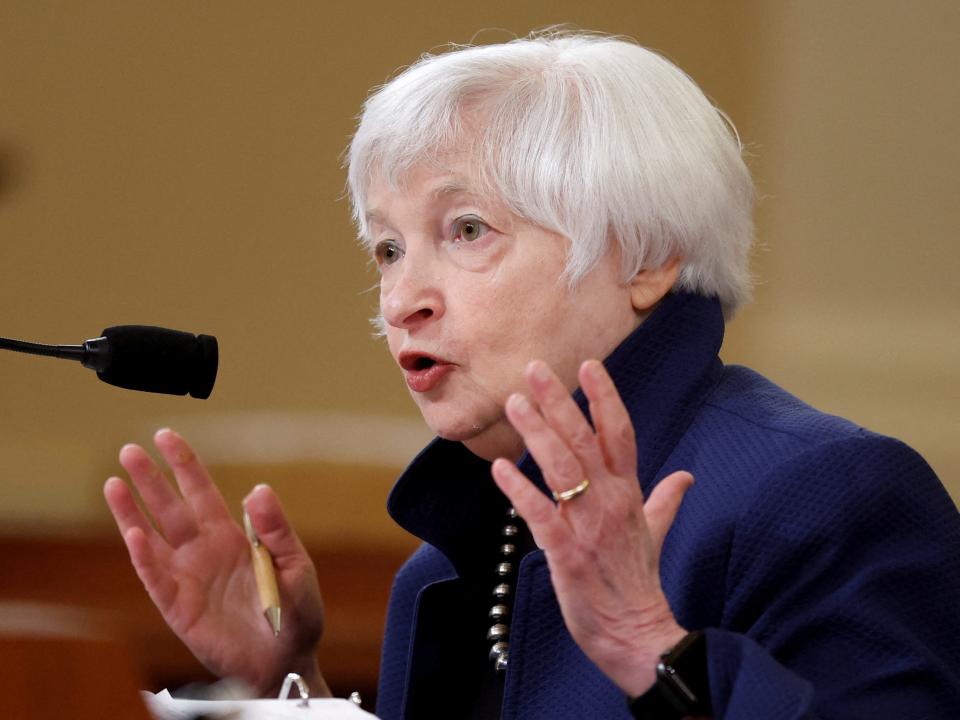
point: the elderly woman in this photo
(561, 225)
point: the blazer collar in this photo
(663, 370)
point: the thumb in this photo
(664, 502)
(272, 527)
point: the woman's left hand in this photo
(602, 546)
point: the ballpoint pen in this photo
(265, 577)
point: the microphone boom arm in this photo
(68, 352)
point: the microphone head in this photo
(155, 359)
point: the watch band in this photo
(682, 688)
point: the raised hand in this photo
(603, 545)
(194, 561)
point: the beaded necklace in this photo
(499, 632)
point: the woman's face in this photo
(470, 294)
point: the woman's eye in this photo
(469, 229)
(387, 252)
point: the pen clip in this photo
(248, 528)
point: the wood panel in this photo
(90, 579)
(48, 678)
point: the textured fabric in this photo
(822, 560)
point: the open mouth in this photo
(423, 363)
(423, 372)
(416, 362)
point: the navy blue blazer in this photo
(823, 560)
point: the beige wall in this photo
(178, 164)
(854, 129)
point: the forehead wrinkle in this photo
(454, 185)
(448, 183)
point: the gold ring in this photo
(568, 495)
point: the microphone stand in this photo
(91, 354)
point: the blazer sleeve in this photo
(842, 591)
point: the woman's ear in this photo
(648, 286)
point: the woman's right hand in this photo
(194, 561)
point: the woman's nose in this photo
(413, 296)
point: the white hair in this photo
(590, 136)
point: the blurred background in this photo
(179, 164)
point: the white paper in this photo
(164, 706)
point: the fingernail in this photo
(540, 371)
(500, 464)
(519, 404)
(594, 369)
(255, 488)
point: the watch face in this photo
(683, 669)
(682, 688)
(675, 680)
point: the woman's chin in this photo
(455, 432)
(486, 434)
(490, 442)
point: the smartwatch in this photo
(682, 688)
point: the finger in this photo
(272, 527)
(171, 515)
(151, 570)
(124, 508)
(664, 502)
(561, 468)
(195, 484)
(615, 433)
(565, 417)
(541, 515)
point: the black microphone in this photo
(141, 357)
